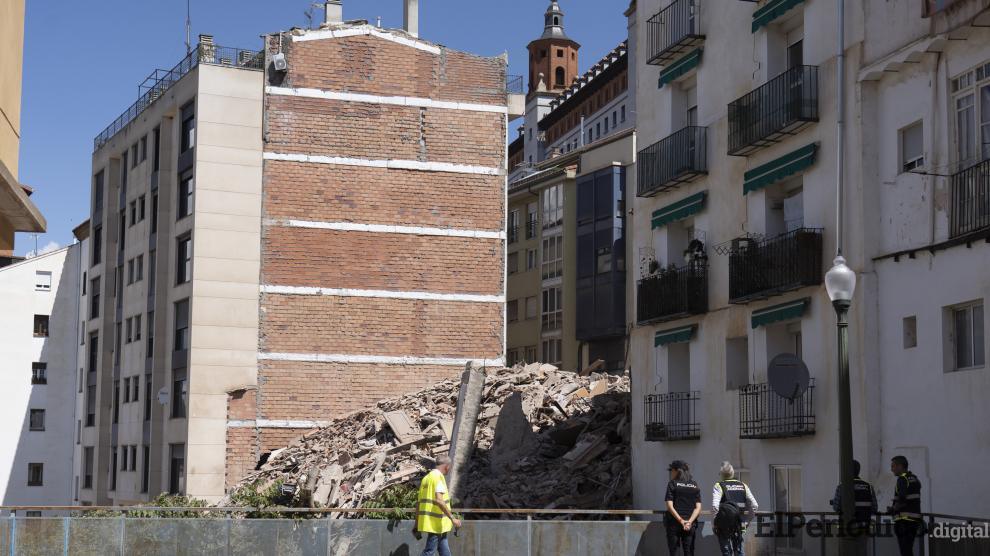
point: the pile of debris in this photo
(544, 439)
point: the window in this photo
(183, 260)
(187, 139)
(78, 431)
(181, 325)
(912, 147)
(152, 262)
(559, 77)
(140, 204)
(531, 258)
(553, 257)
(513, 262)
(187, 186)
(84, 281)
(134, 214)
(123, 458)
(116, 401)
(967, 336)
(552, 199)
(794, 210)
(133, 459)
(37, 420)
(139, 268)
(598, 129)
(98, 193)
(154, 213)
(128, 326)
(147, 399)
(971, 99)
(150, 344)
(36, 474)
(81, 374)
(532, 307)
(94, 298)
(113, 469)
(134, 155)
(736, 363)
(127, 390)
(552, 350)
(179, 394)
(88, 467)
(177, 468)
(531, 354)
(532, 220)
(552, 308)
(156, 137)
(512, 310)
(90, 406)
(513, 225)
(144, 148)
(130, 272)
(786, 486)
(910, 327)
(43, 281)
(137, 328)
(145, 468)
(122, 235)
(97, 245)
(622, 113)
(41, 326)
(39, 373)
(135, 389)
(615, 121)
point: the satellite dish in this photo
(163, 396)
(788, 376)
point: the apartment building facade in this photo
(17, 212)
(277, 241)
(40, 296)
(566, 261)
(734, 226)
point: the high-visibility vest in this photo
(908, 494)
(429, 517)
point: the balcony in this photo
(513, 234)
(673, 416)
(764, 268)
(672, 294)
(531, 227)
(673, 32)
(970, 200)
(779, 108)
(672, 161)
(764, 414)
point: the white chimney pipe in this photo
(334, 11)
(411, 17)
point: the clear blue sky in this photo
(84, 61)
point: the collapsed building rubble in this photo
(545, 439)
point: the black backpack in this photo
(728, 520)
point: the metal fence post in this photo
(13, 532)
(122, 525)
(529, 535)
(626, 536)
(65, 535)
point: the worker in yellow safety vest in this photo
(433, 515)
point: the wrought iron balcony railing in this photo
(970, 211)
(531, 227)
(513, 234)
(672, 294)
(777, 109)
(155, 85)
(676, 159)
(674, 31)
(763, 268)
(765, 414)
(672, 416)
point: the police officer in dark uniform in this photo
(866, 502)
(683, 500)
(906, 506)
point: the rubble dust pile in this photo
(545, 439)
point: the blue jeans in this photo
(731, 545)
(435, 542)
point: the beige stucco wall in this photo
(11, 64)
(226, 258)
(525, 283)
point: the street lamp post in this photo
(840, 283)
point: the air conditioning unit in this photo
(280, 62)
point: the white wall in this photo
(52, 447)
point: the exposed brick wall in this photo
(370, 260)
(366, 64)
(328, 193)
(376, 326)
(299, 125)
(242, 442)
(323, 391)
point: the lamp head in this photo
(840, 281)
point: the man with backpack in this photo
(733, 506)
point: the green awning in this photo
(679, 210)
(782, 312)
(674, 336)
(776, 170)
(683, 65)
(771, 11)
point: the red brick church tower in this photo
(554, 54)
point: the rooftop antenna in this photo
(188, 28)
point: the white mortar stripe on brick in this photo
(374, 359)
(385, 294)
(391, 164)
(365, 30)
(391, 100)
(275, 424)
(385, 229)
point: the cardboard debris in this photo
(545, 439)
